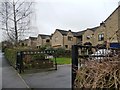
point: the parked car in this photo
(100, 54)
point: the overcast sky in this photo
(75, 15)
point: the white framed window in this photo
(100, 37)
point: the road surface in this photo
(60, 78)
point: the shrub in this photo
(38, 57)
(60, 52)
(42, 48)
(99, 75)
(10, 55)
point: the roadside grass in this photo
(62, 60)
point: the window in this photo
(47, 41)
(100, 37)
(38, 47)
(66, 46)
(88, 37)
(70, 38)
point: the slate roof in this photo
(43, 36)
(63, 32)
(33, 38)
(93, 29)
(79, 33)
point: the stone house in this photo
(64, 39)
(32, 42)
(99, 36)
(88, 36)
(43, 40)
(23, 42)
(108, 30)
(112, 27)
(79, 37)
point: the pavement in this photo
(60, 78)
(10, 78)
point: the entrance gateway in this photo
(21, 55)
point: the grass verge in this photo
(63, 60)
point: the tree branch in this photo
(7, 17)
(24, 16)
(20, 5)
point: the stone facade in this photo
(88, 36)
(24, 42)
(111, 26)
(107, 32)
(64, 39)
(99, 36)
(69, 40)
(57, 39)
(43, 40)
(32, 42)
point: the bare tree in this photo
(15, 18)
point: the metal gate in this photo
(21, 55)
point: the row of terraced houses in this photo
(107, 32)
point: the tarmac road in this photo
(60, 78)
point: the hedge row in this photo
(10, 55)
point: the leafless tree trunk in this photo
(15, 18)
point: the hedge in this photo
(10, 55)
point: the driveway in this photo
(60, 78)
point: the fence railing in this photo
(21, 55)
